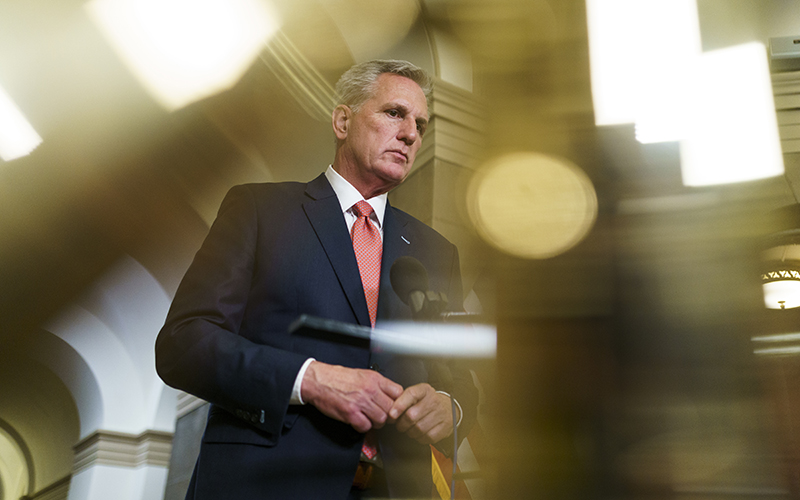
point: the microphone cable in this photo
(455, 450)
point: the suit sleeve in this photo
(199, 349)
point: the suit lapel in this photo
(325, 215)
(405, 370)
(396, 243)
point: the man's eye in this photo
(393, 113)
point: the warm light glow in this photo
(662, 111)
(17, 136)
(647, 67)
(415, 338)
(532, 205)
(733, 133)
(639, 51)
(778, 337)
(185, 50)
(787, 292)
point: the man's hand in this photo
(361, 398)
(423, 414)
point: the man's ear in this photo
(341, 121)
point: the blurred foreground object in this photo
(639, 51)
(181, 50)
(647, 68)
(459, 340)
(732, 133)
(532, 205)
(17, 136)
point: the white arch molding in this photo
(127, 413)
(17, 470)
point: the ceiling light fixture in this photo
(781, 287)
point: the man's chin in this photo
(394, 182)
(395, 174)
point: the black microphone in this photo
(410, 282)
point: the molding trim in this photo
(58, 490)
(188, 403)
(296, 73)
(23, 447)
(150, 448)
(456, 133)
(455, 104)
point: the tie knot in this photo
(362, 209)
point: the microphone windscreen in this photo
(408, 275)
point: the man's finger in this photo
(415, 417)
(377, 410)
(428, 419)
(358, 397)
(427, 428)
(391, 388)
(406, 400)
(361, 423)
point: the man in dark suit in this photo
(290, 411)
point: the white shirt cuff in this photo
(297, 397)
(460, 410)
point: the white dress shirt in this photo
(348, 196)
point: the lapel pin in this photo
(404, 239)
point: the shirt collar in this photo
(349, 196)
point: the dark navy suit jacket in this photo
(274, 252)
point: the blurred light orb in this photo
(17, 136)
(532, 205)
(185, 50)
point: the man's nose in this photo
(408, 131)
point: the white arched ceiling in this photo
(116, 375)
(113, 328)
(59, 357)
(131, 303)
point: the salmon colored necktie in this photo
(368, 248)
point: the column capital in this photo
(123, 450)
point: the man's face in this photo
(382, 139)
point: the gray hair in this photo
(357, 84)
